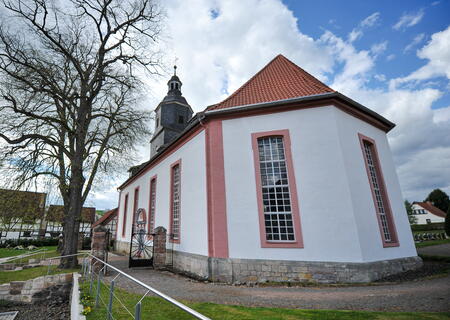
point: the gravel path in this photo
(438, 250)
(423, 295)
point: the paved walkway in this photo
(425, 295)
(438, 250)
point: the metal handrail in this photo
(25, 255)
(149, 288)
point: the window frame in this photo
(172, 166)
(151, 220)
(298, 242)
(383, 191)
(125, 209)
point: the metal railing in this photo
(42, 252)
(88, 271)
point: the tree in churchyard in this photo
(439, 199)
(409, 210)
(69, 91)
(447, 222)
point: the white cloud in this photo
(409, 19)
(417, 39)
(442, 115)
(380, 77)
(378, 48)
(437, 52)
(371, 20)
(357, 32)
(390, 57)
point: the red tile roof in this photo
(432, 209)
(280, 79)
(108, 215)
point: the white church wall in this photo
(327, 221)
(193, 197)
(363, 206)
(422, 218)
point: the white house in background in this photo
(426, 213)
(286, 179)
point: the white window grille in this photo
(276, 196)
(377, 189)
(176, 202)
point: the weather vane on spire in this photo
(175, 66)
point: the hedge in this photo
(29, 242)
(428, 227)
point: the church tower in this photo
(172, 116)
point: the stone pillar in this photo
(99, 246)
(159, 248)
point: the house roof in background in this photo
(19, 203)
(432, 209)
(107, 216)
(280, 79)
(56, 213)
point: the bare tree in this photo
(69, 88)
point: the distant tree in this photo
(409, 210)
(439, 199)
(447, 222)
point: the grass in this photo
(31, 273)
(431, 243)
(157, 308)
(9, 252)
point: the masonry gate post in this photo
(99, 247)
(159, 248)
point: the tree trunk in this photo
(72, 216)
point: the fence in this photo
(106, 294)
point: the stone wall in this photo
(49, 287)
(257, 270)
(122, 247)
(250, 271)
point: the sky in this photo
(391, 56)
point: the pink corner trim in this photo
(117, 217)
(125, 209)
(151, 220)
(298, 243)
(216, 193)
(384, 194)
(178, 162)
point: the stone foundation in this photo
(37, 290)
(255, 270)
(122, 247)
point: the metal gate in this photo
(141, 246)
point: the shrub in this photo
(428, 227)
(29, 242)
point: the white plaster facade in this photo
(193, 235)
(337, 213)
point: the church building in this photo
(284, 180)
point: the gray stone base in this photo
(122, 247)
(255, 270)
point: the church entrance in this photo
(141, 246)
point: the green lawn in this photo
(8, 252)
(431, 243)
(157, 308)
(22, 275)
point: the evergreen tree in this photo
(439, 199)
(409, 210)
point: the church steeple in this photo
(172, 115)
(174, 83)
